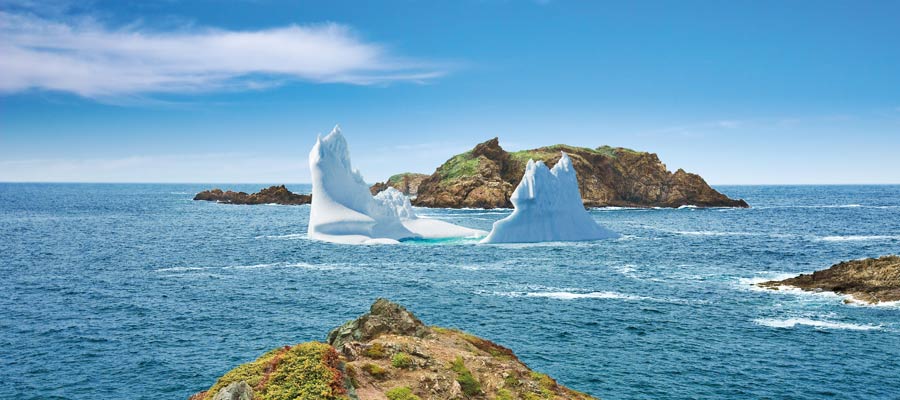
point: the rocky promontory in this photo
(407, 183)
(870, 280)
(390, 354)
(270, 195)
(485, 177)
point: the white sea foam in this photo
(857, 238)
(712, 233)
(767, 276)
(590, 295)
(290, 236)
(250, 267)
(181, 269)
(793, 322)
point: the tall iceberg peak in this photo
(343, 209)
(548, 208)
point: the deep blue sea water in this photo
(134, 291)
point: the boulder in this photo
(235, 391)
(384, 316)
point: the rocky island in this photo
(407, 183)
(870, 280)
(270, 195)
(390, 354)
(486, 176)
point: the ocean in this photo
(134, 291)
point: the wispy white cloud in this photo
(211, 167)
(89, 59)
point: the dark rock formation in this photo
(407, 183)
(486, 176)
(389, 354)
(383, 317)
(270, 195)
(871, 280)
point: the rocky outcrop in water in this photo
(390, 354)
(270, 195)
(870, 280)
(486, 176)
(407, 183)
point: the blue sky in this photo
(202, 91)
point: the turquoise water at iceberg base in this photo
(136, 292)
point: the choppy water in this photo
(135, 291)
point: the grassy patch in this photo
(470, 386)
(306, 371)
(460, 165)
(503, 394)
(376, 350)
(374, 370)
(401, 393)
(487, 346)
(401, 360)
(610, 151)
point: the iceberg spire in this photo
(343, 209)
(548, 208)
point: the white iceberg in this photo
(548, 208)
(344, 211)
(426, 228)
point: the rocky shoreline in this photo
(388, 353)
(271, 195)
(486, 176)
(870, 280)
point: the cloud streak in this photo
(199, 167)
(94, 61)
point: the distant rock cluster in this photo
(270, 195)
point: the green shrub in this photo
(401, 360)
(374, 370)
(503, 394)
(376, 350)
(470, 386)
(303, 372)
(401, 393)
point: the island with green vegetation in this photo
(485, 177)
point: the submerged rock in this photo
(486, 176)
(388, 353)
(270, 195)
(870, 280)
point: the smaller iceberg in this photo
(548, 208)
(344, 211)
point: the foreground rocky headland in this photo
(486, 176)
(870, 280)
(390, 354)
(270, 195)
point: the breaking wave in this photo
(793, 322)
(857, 238)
